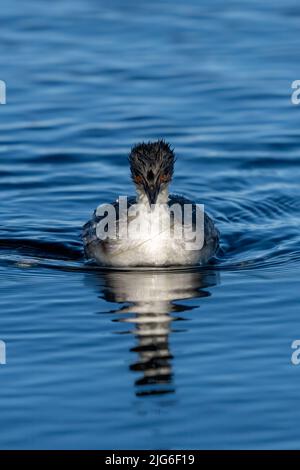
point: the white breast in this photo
(149, 242)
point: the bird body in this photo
(155, 231)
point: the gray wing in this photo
(89, 230)
(211, 233)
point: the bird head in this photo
(152, 166)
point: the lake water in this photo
(197, 358)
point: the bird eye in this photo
(138, 179)
(164, 178)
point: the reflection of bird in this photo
(161, 229)
(150, 297)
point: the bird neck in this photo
(162, 197)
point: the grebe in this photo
(150, 219)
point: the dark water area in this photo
(189, 358)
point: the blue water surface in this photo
(163, 359)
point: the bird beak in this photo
(152, 193)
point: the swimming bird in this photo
(154, 228)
